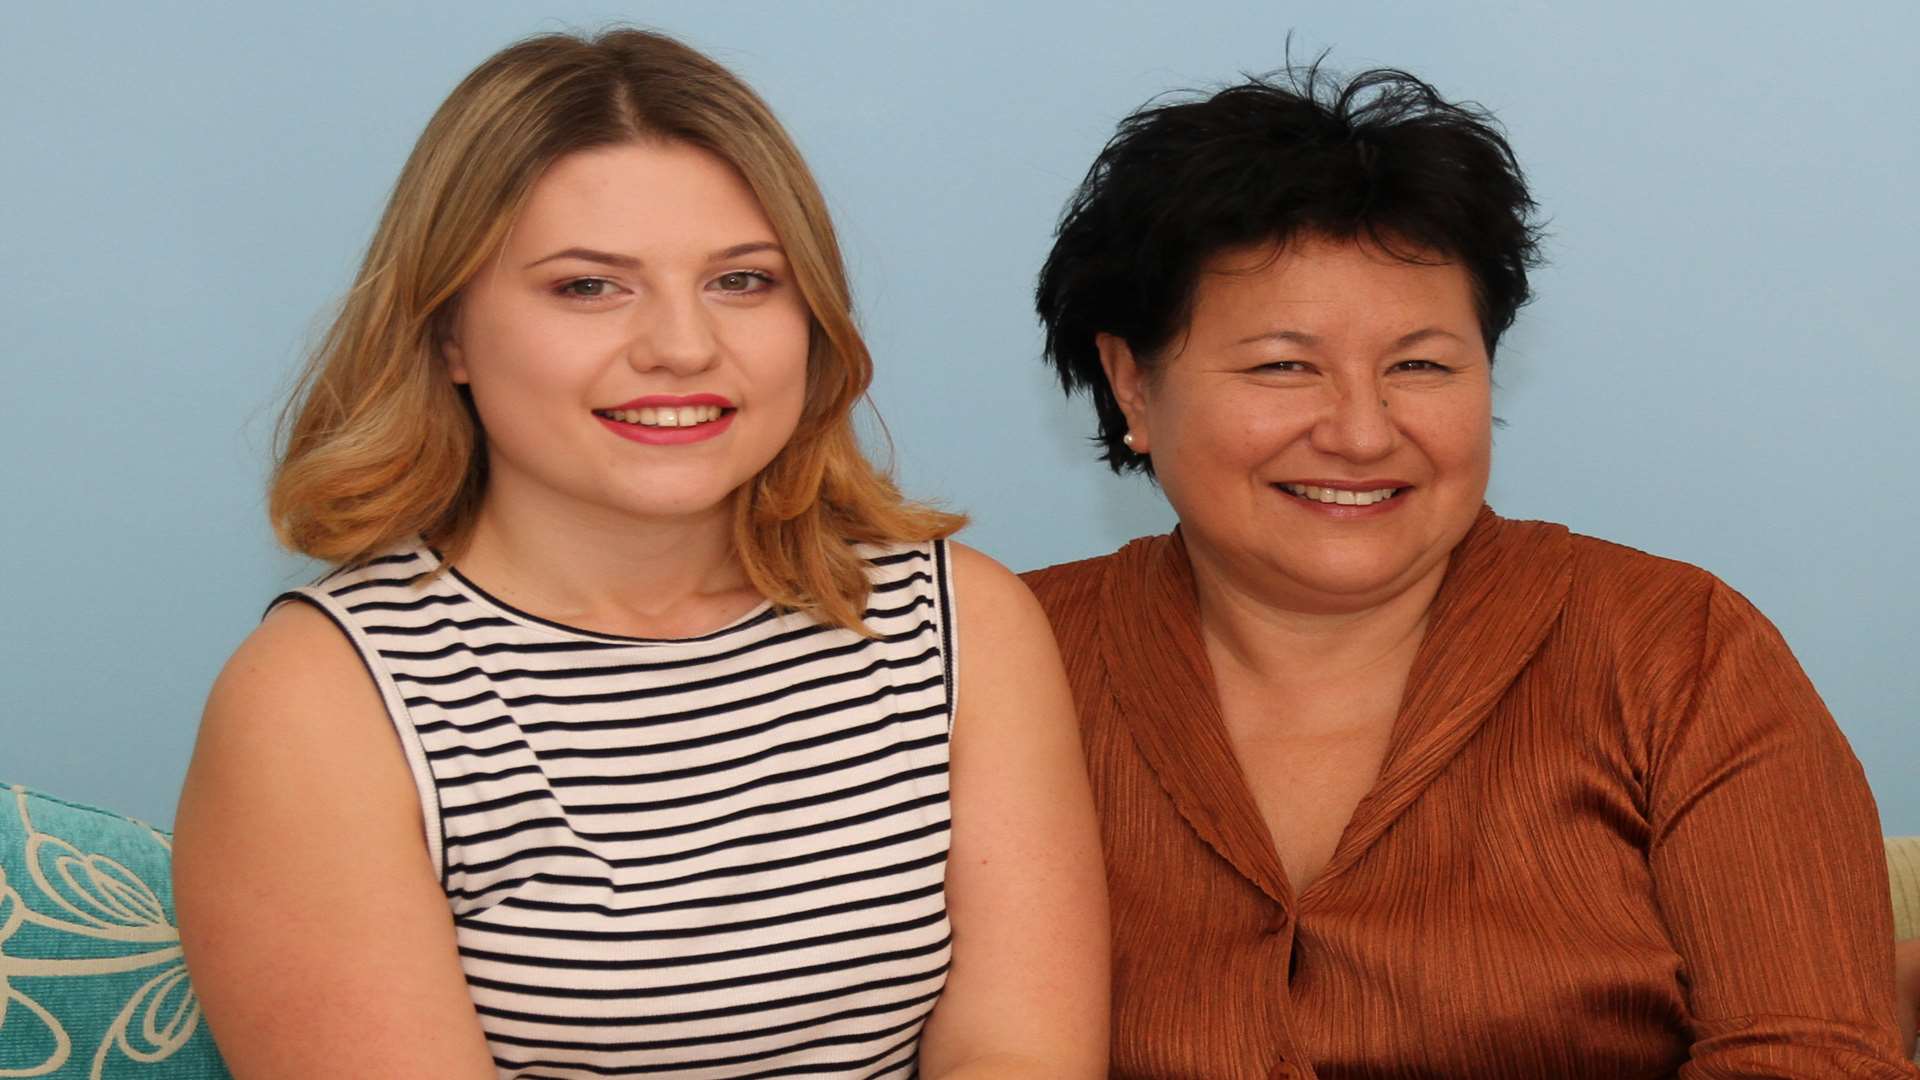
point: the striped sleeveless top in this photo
(720, 856)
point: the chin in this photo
(662, 506)
(1362, 584)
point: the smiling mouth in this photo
(1339, 496)
(683, 416)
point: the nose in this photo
(673, 333)
(1356, 423)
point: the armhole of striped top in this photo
(949, 637)
(424, 787)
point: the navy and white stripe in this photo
(719, 856)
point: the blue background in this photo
(1722, 366)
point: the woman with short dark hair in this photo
(1392, 786)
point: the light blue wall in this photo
(1722, 366)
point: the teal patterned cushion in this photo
(91, 980)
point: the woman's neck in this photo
(610, 572)
(1260, 639)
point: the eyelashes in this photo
(1418, 367)
(743, 281)
(586, 288)
(732, 283)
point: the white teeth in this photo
(684, 416)
(1340, 496)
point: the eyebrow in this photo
(628, 262)
(1301, 337)
(1293, 337)
(1418, 336)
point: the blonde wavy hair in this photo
(377, 444)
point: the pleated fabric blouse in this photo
(1615, 834)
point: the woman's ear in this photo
(451, 352)
(1128, 381)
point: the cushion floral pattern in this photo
(91, 979)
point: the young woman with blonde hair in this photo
(672, 668)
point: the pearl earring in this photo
(1128, 439)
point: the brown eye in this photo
(740, 281)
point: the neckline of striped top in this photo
(762, 613)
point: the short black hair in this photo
(1380, 156)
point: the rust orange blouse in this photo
(1616, 834)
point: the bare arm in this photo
(314, 925)
(1027, 993)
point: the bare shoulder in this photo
(302, 874)
(294, 752)
(296, 657)
(1007, 644)
(295, 705)
(1012, 684)
(992, 598)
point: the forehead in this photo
(640, 195)
(1330, 288)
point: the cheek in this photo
(1209, 453)
(780, 345)
(1463, 434)
(1457, 447)
(502, 406)
(494, 346)
(1226, 430)
(529, 366)
(526, 386)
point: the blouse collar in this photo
(1504, 588)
